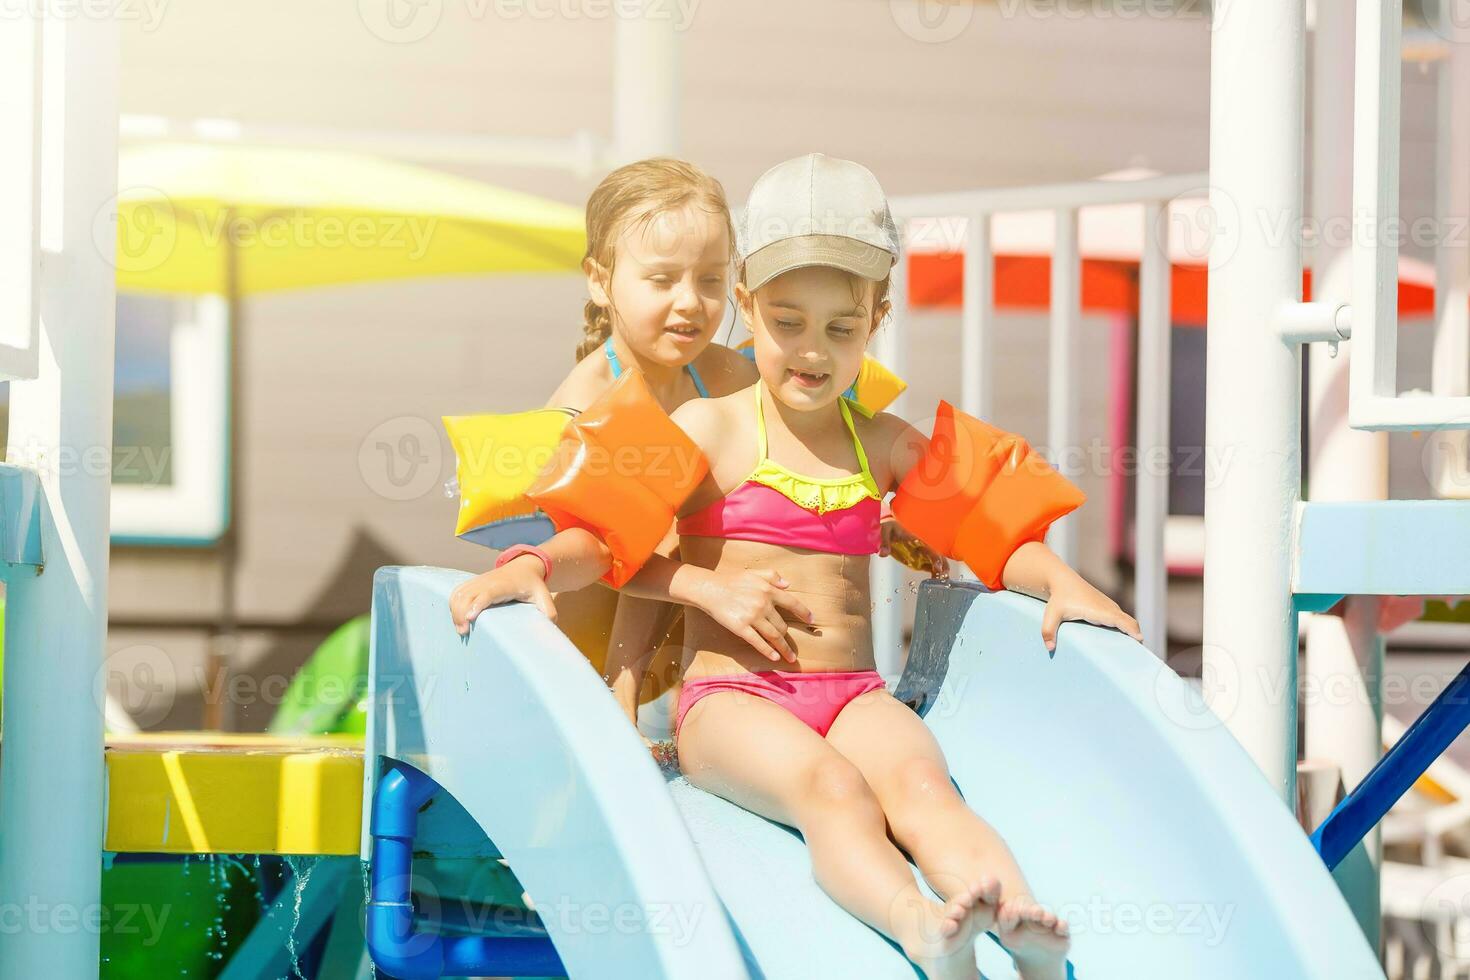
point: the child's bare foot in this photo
(1035, 938)
(944, 947)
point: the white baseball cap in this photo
(816, 210)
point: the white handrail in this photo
(1065, 201)
(1046, 197)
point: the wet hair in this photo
(635, 194)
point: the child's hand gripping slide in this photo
(622, 471)
(978, 493)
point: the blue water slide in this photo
(1130, 807)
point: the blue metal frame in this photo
(1357, 548)
(392, 940)
(21, 507)
(1434, 730)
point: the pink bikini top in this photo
(776, 506)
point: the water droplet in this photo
(301, 869)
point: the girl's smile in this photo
(685, 334)
(810, 380)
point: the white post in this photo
(1253, 379)
(885, 576)
(1449, 472)
(1344, 655)
(1061, 395)
(1376, 94)
(20, 183)
(646, 82)
(51, 785)
(977, 321)
(1151, 573)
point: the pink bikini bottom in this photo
(815, 698)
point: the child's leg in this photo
(637, 645)
(586, 616)
(758, 755)
(951, 844)
(666, 670)
(640, 666)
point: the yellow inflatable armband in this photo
(498, 459)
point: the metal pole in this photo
(51, 785)
(885, 576)
(977, 321)
(1344, 655)
(1151, 574)
(1425, 741)
(1449, 472)
(1253, 379)
(1066, 314)
(646, 83)
(224, 643)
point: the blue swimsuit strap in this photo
(617, 368)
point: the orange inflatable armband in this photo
(622, 471)
(979, 493)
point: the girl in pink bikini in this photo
(796, 476)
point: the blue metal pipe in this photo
(395, 945)
(1433, 731)
(485, 921)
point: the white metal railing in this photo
(1374, 402)
(1066, 202)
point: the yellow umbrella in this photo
(237, 220)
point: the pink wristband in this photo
(516, 550)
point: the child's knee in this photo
(837, 785)
(924, 780)
(920, 790)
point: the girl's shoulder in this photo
(885, 428)
(583, 385)
(893, 445)
(724, 369)
(708, 421)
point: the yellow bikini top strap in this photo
(857, 443)
(760, 422)
(842, 404)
